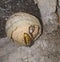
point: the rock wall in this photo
(50, 13)
(46, 48)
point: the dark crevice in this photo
(57, 6)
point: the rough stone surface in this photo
(46, 8)
(59, 2)
(45, 49)
(48, 15)
(58, 13)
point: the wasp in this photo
(33, 32)
(28, 40)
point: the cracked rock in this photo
(46, 8)
(59, 2)
(48, 15)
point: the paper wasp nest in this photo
(23, 28)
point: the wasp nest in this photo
(23, 28)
